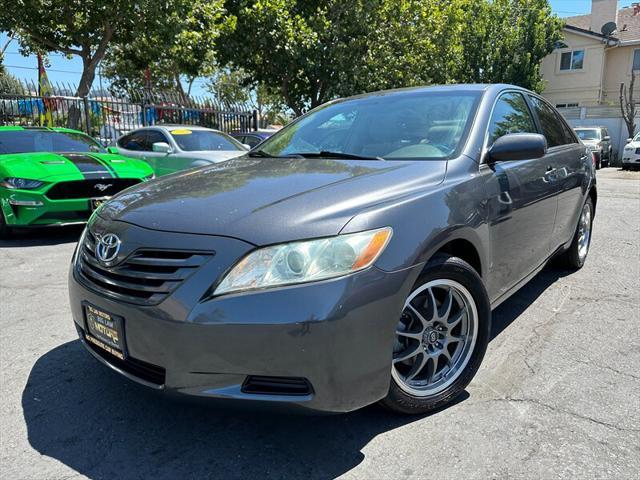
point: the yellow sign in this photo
(181, 131)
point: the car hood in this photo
(269, 200)
(632, 145)
(71, 166)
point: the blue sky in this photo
(68, 70)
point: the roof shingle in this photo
(628, 24)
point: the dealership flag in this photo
(44, 91)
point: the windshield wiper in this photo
(263, 154)
(258, 153)
(329, 154)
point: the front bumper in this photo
(22, 208)
(630, 158)
(337, 335)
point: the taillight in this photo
(593, 159)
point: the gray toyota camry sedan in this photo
(353, 257)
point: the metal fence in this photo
(106, 117)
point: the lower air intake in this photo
(258, 385)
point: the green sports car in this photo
(58, 176)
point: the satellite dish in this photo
(608, 28)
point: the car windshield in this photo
(588, 134)
(637, 137)
(403, 125)
(36, 140)
(200, 140)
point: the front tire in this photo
(576, 255)
(441, 337)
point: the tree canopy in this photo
(313, 50)
(180, 42)
(299, 52)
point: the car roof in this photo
(590, 127)
(258, 133)
(171, 127)
(19, 128)
(459, 87)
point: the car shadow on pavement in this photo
(507, 312)
(33, 237)
(104, 427)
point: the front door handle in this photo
(550, 174)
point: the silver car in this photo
(597, 139)
(171, 148)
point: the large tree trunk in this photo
(89, 64)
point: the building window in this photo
(573, 60)
(636, 59)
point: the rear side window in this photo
(510, 115)
(553, 128)
(133, 141)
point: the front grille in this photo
(89, 189)
(145, 371)
(145, 277)
(259, 385)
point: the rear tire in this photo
(438, 350)
(576, 256)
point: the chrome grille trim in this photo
(145, 277)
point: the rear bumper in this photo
(336, 335)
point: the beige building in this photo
(598, 53)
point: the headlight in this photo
(76, 252)
(306, 261)
(21, 183)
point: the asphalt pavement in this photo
(558, 395)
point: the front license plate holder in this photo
(104, 330)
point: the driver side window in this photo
(510, 115)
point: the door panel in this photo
(522, 200)
(570, 164)
(521, 214)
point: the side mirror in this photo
(629, 140)
(113, 150)
(518, 146)
(161, 147)
(606, 138)
(247, 146)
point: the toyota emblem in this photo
(107, 247)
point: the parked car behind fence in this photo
(170, 148)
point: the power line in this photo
(32, 54)
(48, 69)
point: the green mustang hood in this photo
(71, 166)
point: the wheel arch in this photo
(464, 243)
(465, 250)
(593, 194)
